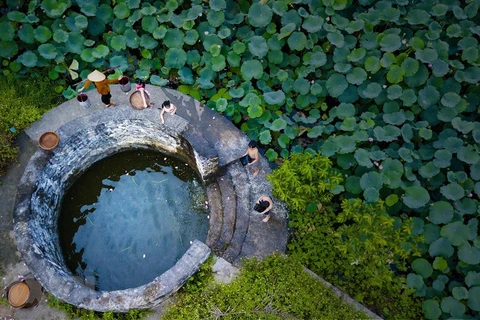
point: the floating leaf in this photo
(441, 212)
(371, 180)
(371, 195)
(336, 38)
(48, 51)
(28, 59)
(259, 15)
(274, 97)
(453, 306)
(422, 267)
(456, 232)
(251, 69)
(55, 8)
(312, 23)
(336, 84)
(258, 46)
(440, 263)
(357, 76)
(441, 247)
(417, 16)
(121, 11)
(415, 281)
(265, 137)
(428, 96)
(469, 254)
(460, 293)
(297, 41)
(452, 191)
(390, 43)
(372, 90)
(416, 197)
(395, 74)
(372, 64)
(468, 154)
(388, 133)
(175, 58)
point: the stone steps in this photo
(229, 208)
(216, 215)
(243, 198)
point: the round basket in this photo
(136, 100)
(18, 295)
(48, 140)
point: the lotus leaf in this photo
(312, 23)
(460, 293)
(315, 131)
(118, 43)
(468, 154)
(352, 185)
(28, 59)
(371, 180)
(342, 67)
(251, 69)
(452, 191)
(233, 59)
(274, 97)
(174, 38)
(356, 55)
(254, 111)
(371, 195)
(472, 279)
(259, 15)
(224, 32)
(301, 86)
(345, 144)
(175, 58)
(469, 254)
(388, 133)
(216, 18)
(278, 124)
(425, 133)
(271, 155)
(427, 55)
(121, 11)
(357, 76)
(285, 32)
(221, 105)
(316, 59)
(416, 197)
(26, 34)
(418, 16)
(405, 154)
(297, 41)
(336, 38)
(218, 5)
(442, 159)
(316, 89)
(438, 285)
(372, 90)
(440, 68)
(7, 32)
(415, 281)
(149, 23)
(258, 46)
(42, 34)
(408, 97)
(372, 64)
(345, 110)
(439, 10)
(283, 141)
(453, 306)
(388, 59)
(431, 233)
(450, 99)
(55, 8)
(336, 84)
(48, 51)
(16, 16)
(429, 170)
(265, 137)
(456, 232)
(428, 96)
(422, 267)
(395, 118)
(354, 26)
(218, 63)
(390, 42)
(440, 264)
(441, 247)
(362, 157)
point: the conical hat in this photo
(96, 76)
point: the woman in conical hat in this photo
(102, 84)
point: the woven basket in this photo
(136, 100)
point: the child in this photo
(140, 86)
(167, 107)
(102, 84)
(252, 153)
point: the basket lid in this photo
(136, 100)
(18, 294)
(48, 140)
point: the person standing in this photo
(167, 107)
(102, 84)
(267, 203)
(252, 154)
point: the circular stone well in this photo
(50, 173)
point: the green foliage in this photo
(73, 312)
(304, 180)
(22, 101)
(276, 288)
(199, 281)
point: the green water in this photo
(130, 217)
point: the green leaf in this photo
(416, 197)
(265, 137)
(468, 154)
(218, 5)
(469, 254)
(251, 69)
(278, 124)
(336, 38)
(442, 159)
(215, 18)
(175, 58)
(336, 84)
(440, 264)
(371, 195)
(356, 55)
(428, 96)
(363, 158)
(48, 51)
(357, 76)
(258, 46)
(415, 281)
(7, 31)
(174, 38)
(121, 11)
(387, 134)
(372, 90)
(42, 34)
(452, 191)
(391, 200)
(218, 63)
(28, 59)
(441, 247)
(313, 24)
(55, 8)
(118, 43)
(422, 267)
(427, 55)
(395, 74)
(259, 15)
(462, 126)
(274, 97)
(441, 212)
(297, 41)
(371, 180)
(352, 185)
(431, 233)
(271, 155)
(452, 306)
(472, 279)
(390, 43)
(417, 16)
(456, 232)
(301, 86)
(372, 64)
(156, 80)
(460, 293)
(254, 111)
(450, 99)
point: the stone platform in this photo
(236, 231)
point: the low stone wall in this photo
(50, 173)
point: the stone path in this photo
(236, 230)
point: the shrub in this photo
(276, 288)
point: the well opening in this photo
(39, 200)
